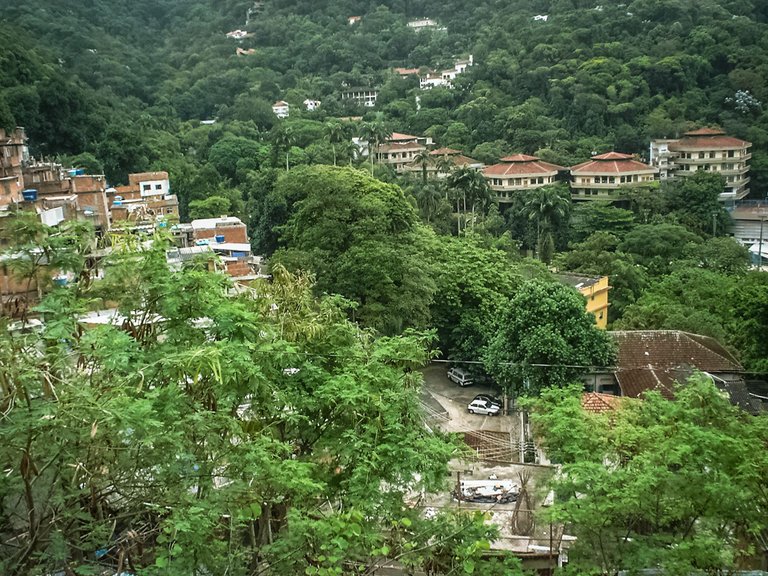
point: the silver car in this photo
(480, 406)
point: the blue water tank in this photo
(117, 202)
(80, 172)
(60, 280)
(72, 172)
(30, 194)
(220, 238)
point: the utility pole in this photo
(760, 246)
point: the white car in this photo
(460, 377)
(480, 406)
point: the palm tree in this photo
(376, 133)
(444, 164)
(349, 149)
(471, 184)
(335, 134)
(428, 198)
(546, 205)
(423, 158)
(283, 138)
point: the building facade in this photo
(595, 290)
(281, 109)
(708, 149)
(517, 173)
(605, 176)
(362, 96)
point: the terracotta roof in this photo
(519, 158)
(600, 403)
(612, 163)
(444, 152)
(704, 132)
(280, 103)
(653, 359)
(520, 164)
(709, 142)
(406, 71)
(456, 159)
(399, 136)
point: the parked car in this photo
(483, 407)
(488, 398)
(460, 377)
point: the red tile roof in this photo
(705, 132)
(652, 359)
(519, 158)
(600, 403)
(395, 136)
(521, 164)
(444, 152)
(612, 163)
(406, 71)
(713, 142)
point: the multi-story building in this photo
(517, 173)
(146, 199)
(281, 109)
(750, 222)
(362, 96)
(398, 155)
(595, 290)
(13, 154)
(437, 169)
(707, 149)
(606, 175)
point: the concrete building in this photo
(708, 149)
(398, 155)
(606, 175)
(750, 222)
(13, 154)
(519, 172)
(311, 105)
(281, 109)
(595, 290)
(362, 96)
(146, 200)
(435, 168)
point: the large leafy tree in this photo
(362, 239)
(199, 431)
(548, 207)
(674, 485)
(545, 338)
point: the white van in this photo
(460, 377)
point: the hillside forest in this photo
(374, 274)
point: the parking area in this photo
(454, 399)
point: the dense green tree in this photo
(670, 484)
(362, 239)
(656, 246)
(600, 216)
(211, 207)
(545, 338)
(695, 203)
(166, 443)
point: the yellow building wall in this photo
(597, 301)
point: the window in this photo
(731, 154)
(147, 187)
(158, 186)
(701, 154)
(711, 154)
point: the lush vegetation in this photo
(639, 484)
(284, 422)
(204, 431)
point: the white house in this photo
(311, 104)
(354, 20)
(422, 24)
(281, 109)
(237, 34)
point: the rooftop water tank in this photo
(220, 238)
(30, 194)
